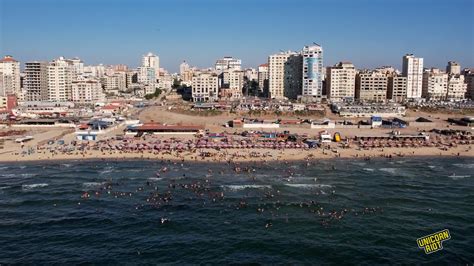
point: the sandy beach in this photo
(235, 155)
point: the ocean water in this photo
(148, 212)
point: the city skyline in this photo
(148, 26)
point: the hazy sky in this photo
(369, 33)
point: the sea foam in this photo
(32, 186)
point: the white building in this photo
(340, 81)
(263, 77)
(453, 68)
(146, 75)
(457, 89)
(36, 81)
(165, 81)
(115, 82)
(205, 87)
(413, 71)
(284, 75)
(251, 74)
(312, 71)
(94, 71)
(10, 72)
(77, 67)
(228, 63)
(60, 74)
(87, 91)
(183, 67)
(435, 84)
(232, 84)
(153, 61)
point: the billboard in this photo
(312, 69)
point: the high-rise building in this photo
(251, 74)
(413, 71)
(94, 71)
(312, 71)
(146, 75)
(457, 89)
(77, 67)
(205, 87)
(60, 76)
(115, 82)
(36, 81)
(153, 61)
(232, 83)
(284, 75)
(132, 77)
(469, 79)
(86, 91)
(228, 63)
(185, 73)
(371, 86)
(340, 81)
(453, 68)
(263, 78)
(10, 72)
(435, 84)
(397, 88)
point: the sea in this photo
(340, 211)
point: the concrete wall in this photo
(40, 126)
(261, 126)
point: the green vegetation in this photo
(176, 83)
(153, 95)
(211, 112)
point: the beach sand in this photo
(243, 155)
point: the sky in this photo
(369, 33)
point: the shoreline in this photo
(241, 156)
(131, 159)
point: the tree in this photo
(153, 95)
(176, 83)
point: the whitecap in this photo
(5, 187)
(307, 186)
(106, 171)
(240, 187)
(369, 169)
(92, 184)
(155, 178)
(465, 165)
(32, 186)
(456, 177)
(389, 170)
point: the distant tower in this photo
(153, 61)
(183, 67)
